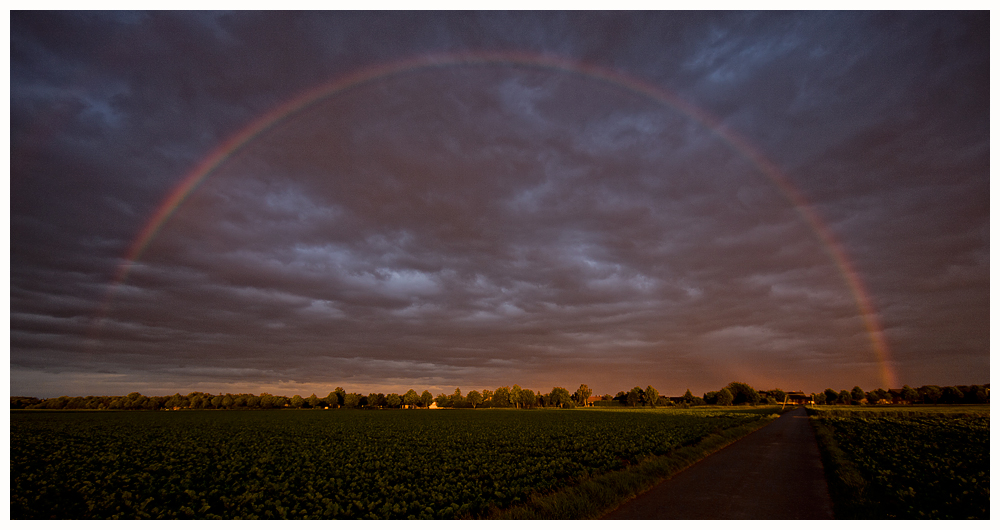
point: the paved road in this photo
(773, 473)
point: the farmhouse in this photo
(797, 398)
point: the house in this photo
(797, 398)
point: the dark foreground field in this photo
(334, 464)
(906, 462)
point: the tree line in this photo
(927, 394)
(503, 397)
(735, 393)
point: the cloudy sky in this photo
(384, 201)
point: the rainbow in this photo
(282, 112)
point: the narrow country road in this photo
(774, 473)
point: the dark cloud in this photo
(480, 225)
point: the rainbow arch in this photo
(267, 121)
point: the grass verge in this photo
(601, 494)
(847, 486)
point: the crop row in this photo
(337, 464)
(917, 467)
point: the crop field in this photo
(395, 464)
(953, 411)
(923, 466)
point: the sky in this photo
(292, 202)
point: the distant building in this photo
(797, 398)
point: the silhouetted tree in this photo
(930, 394)
(724, 397)
(976, 394)
(634, 397)
(952, 395)
(743, 393)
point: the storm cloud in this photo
(479, 224)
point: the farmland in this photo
(328, 464)
(908, 463)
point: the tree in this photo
(410, 398)
(976, 394)
(857, 395)
(952, 395)
(743, 393)
(393, 400)
(515, 396)
(688, 396)
(724, 397)
(819, 399)
(778, 395)
(313, 401)
(930, 393)
(426, 399)
(176, 400)
(844, 397)
(831, 396)
(474, 398)
(528, 398)
(634, 397)
(487, 397)
(583, 394)
(559, 396)
(501, 397)
(333, 399)
(456, 399)
(352, 400)
(909, 394)
(710, 397)
(651, 395)
(879, 395)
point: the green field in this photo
(328, 464)
(954, 411)
(907, 464)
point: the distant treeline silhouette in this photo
(736, 393)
